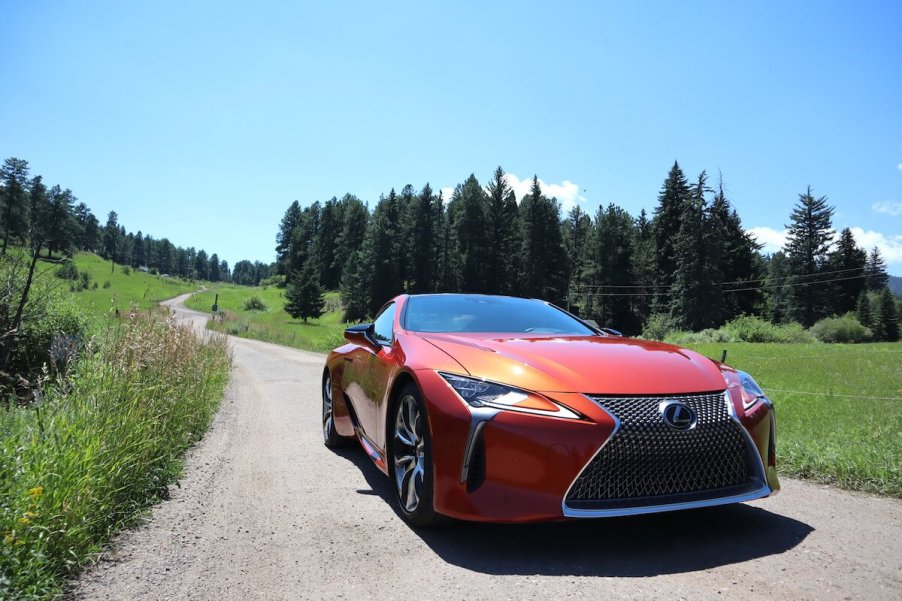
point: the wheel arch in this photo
(401, 380)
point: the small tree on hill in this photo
(304, 295)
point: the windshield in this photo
(478, 313)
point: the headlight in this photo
(479, 393)
(751, 392)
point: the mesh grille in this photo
(647, 459)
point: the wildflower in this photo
(24, 521)
(9, 539)
(36, 492)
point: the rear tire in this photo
(411, 466)
(331, 438)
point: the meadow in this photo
(118, 288)
(839, 408)
(272, 324)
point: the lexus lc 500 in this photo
(506, 409)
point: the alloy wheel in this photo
(409, 452)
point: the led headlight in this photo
(751, 392)
(479, 393)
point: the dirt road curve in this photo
(265, 511)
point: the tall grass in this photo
(100, 447)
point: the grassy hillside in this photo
(839, 408)
(272, 324)
(110, 290)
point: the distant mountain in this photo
(895, 285)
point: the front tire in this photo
(331, 438)
(411, 458)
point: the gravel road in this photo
(265, 511)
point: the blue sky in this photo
(201, 122)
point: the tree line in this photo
(691, 261)
(31, 212)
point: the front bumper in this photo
(515, 467)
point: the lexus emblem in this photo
(677, 415)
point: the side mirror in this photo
(359, 334)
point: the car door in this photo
(368, 375)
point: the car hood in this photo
(586, 364)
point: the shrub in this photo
(277, 280)
(254, 303)
(106, 284)
(658, 326)
(754, 329)
(706, 335)
(85, 279)
(68, 271)
(841, 329)
(126, 270)
(54, 339)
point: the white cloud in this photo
(888, 207)
(567, 192)
(773, 240)
(890, 246)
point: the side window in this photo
(383, 328)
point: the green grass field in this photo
(274, 324)
(125, 290)
(839, 409)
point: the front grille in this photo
(646, 462)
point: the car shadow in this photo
(634, 546)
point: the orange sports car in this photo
(505, 409)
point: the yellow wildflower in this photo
(24, 521)
(36, 492)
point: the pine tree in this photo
(423, 248)
(577, 229)
(354, 292)
(734, 256)
(88, 228)
(695, 300)
(14, 196)
(471, 235)
(61, 223)
(643, 266)
(111, 238)
(331, 224)
(612, 258)
(355, 217)
(888, 315)
(665, 225)
(38, 211)
(202, 265)
(808, 243)
(776, 287)
(865, 314)
(501, 215)
(215, 276)
(875, 271)
(289, 222)
(543, 256)
(847, 264)
(303, 293)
